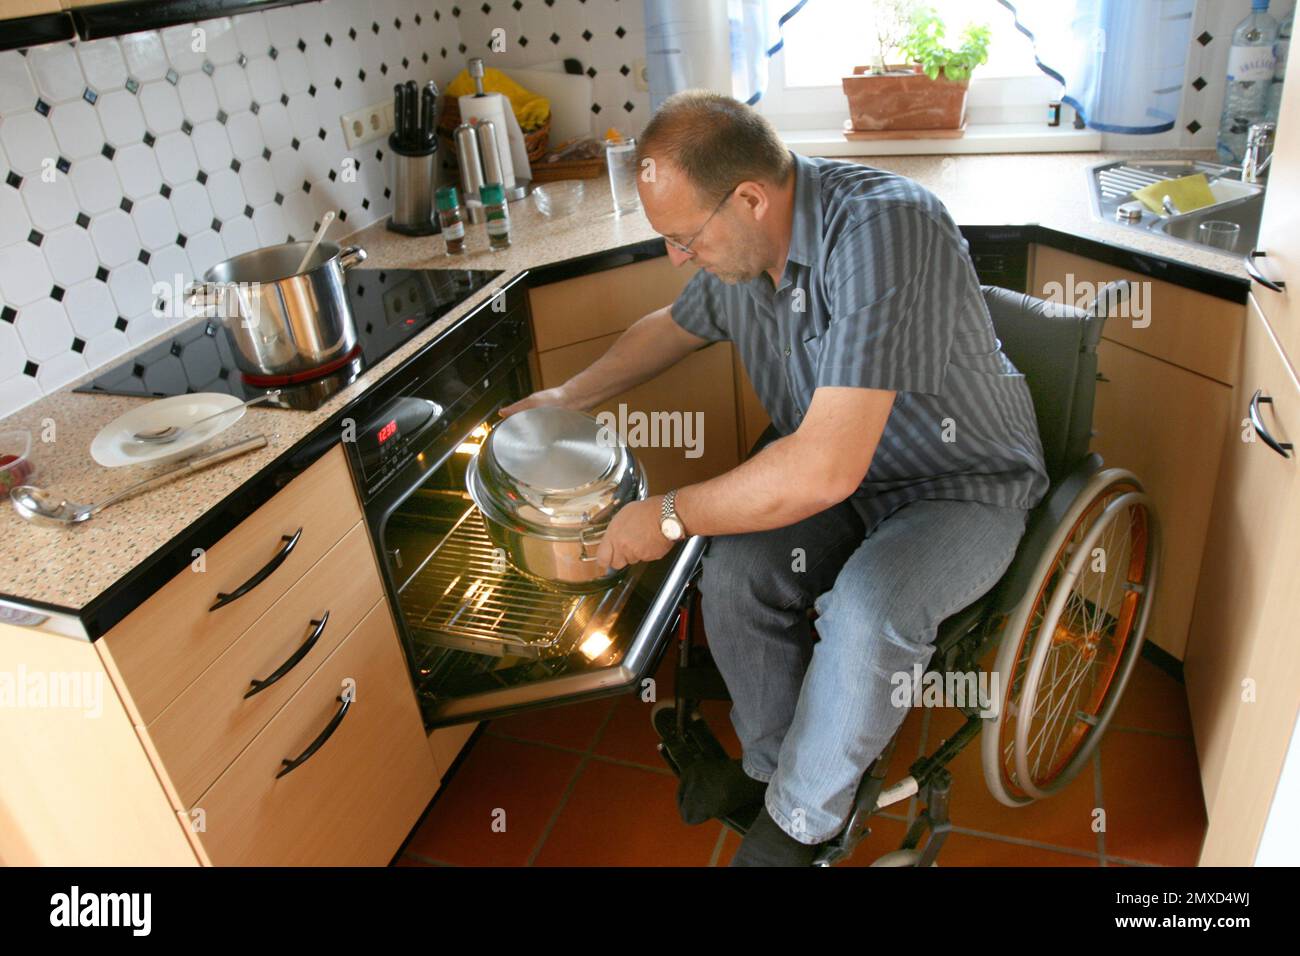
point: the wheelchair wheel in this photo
(1068, 648)
(900, 858)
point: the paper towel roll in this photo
(513, 153)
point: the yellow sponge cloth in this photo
(1188, 193)
(530, 109)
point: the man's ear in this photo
(754, 196)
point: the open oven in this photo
(483, 640)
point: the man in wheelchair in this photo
(892, 488)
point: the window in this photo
(827, 38)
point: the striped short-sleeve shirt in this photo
(879, 292)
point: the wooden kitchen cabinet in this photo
(13, 9)
(1243, 634)
(1168, 397)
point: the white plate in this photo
(115, 445)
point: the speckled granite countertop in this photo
(71, 570)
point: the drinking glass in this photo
(620, 157)
(1219, 233)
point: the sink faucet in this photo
(1259, 151)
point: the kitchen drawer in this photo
(354, 800)
(1198, 332)
(173, 637)
(203, 730)
(586, 307)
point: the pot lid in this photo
(552, 450)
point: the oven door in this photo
(482, 639)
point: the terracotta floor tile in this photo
(1152, 792)
(410, 861)
(624, 816)
(573, 725)
(630, 735)
(1065, 820)
(1153, 700)
(524, 780)
(965, 849)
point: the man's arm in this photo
(651, 344)
(792, 478)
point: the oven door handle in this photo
(294, 659)
(267, 570)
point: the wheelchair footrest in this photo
(697, 743)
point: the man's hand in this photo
(547, 396)
(633, 535)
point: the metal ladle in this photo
(169, 433)
(46, 507)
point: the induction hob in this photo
(390, 307)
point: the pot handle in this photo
(351, 256)
(585, 542)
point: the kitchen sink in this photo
(1113, 184)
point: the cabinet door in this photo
(1279, 230)
(700, 389)
(1244, 625)
(12, 9)
(1166, 425)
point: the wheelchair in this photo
(1067, 618)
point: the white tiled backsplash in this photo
(140, 160)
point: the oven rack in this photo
(465, 597)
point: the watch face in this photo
(672, 528)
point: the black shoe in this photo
(714, 787)
(766, 844)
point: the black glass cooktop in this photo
(389, 306)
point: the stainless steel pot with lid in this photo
(549, 480)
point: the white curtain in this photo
(1121, 61)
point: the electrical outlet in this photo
(640, 77)
(368, 123)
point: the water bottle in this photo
(1250, 75)
(1280, 50)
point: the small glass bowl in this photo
(16, 465)
(558, 199)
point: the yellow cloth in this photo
(530, 109)
(1187, 192)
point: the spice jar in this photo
(452, 220)
(498, 217)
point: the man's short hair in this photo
(716, 141)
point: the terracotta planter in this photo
(901, 101)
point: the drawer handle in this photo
(289, 544)
(289, 765)
(292, 662)
(1276, 285)
(1283, 448)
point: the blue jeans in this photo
(811, 717)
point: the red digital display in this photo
(388, 431)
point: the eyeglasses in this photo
(686, 247)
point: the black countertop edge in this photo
(136, 586)
(22, 32)
(132, 16)
(596, 262)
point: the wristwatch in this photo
(669, 523)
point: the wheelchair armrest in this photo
(1043, 522)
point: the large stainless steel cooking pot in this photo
(283, 322)
(548, 481)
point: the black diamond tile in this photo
(242, 60)
(295, 143)
(591, 71)
(125, 205)
(273, 53)
(279, 199)
(523, 41)
(550, 3)
(1205, 38)
(406, 61)
(62, 165)
(383, 69)
(236, 165)
(1193, 126)
(202, 178)
(338, 83)
(388, 193)
(486, 8)
(187, 127)
(397, 23)
(255, 107)
(311, 90)
(30, 369)
(248, 211)
(1198, 84)
(555, 37)
(108, 152)
(150, 139)
(101, 274)
(166, 191)
(320, 133)
(595, 107)
(144, 256)
(620, 33)
(302, 47)
(35, 237)
(629, 106)
(208, 67)
(13, 179)
(374, 28)
(216, 224)
(329, 40)
(284, 99)
(365, 204)
(587, 35)
(333, 175)
(120, 324)
(266, 154)
(455, 11)
(78, 345)
(9, 314)
(89, 95)
(83, 220)
(132, 85)
(42, 107)
(306, 186)
(175, 349)
(343, 215)
(172, 77)
(181, 239)
(222, 117)
(352, 33)
(361, 75)
(518, 5)
(424, 57)
(56, 293)
(624, 69)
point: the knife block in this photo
(413, 187)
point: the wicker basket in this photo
(535, 141)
